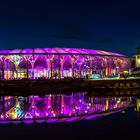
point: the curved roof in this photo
(80, 51)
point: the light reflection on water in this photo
(59, 108)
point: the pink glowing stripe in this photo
(71, 50)
(60, 51)
(105, 53)
(28, 50)
(81, 51)
(49, 50)
(39, 50)
(15, 51)
(5, 122)
(73, 119)
(51, 120)
(28, 121)
(89, 51)
(91, 117)
(4, 51)
(117, 54)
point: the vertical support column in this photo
(110, 66)
(33, 76)
(72, 67)
(18, 68)
(13, 70)
(80, 71)
(59, 59)
(27, 74)
(91, 67)
(10, 70)
(6, 77)
(61, 69)
(113, 67)
(51, 61)
(106, 67)
(47, 75)
(2, 69)
(46, 61)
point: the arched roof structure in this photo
(79, 51)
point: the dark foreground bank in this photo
(58, 86)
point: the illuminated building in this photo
(135, 64)
(138, 57)
(55, 63)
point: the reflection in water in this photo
(138, 105)
(57, 108)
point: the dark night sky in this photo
(111, 25)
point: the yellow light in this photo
(125, 71)
(138, 61)
(107, 105)
(14, 115)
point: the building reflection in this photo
(61, 107)
(138, 105)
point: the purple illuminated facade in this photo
(55, 63)
(59, 108)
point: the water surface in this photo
(73, 116)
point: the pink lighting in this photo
(59, 108)
(56, 63)
(58, 50)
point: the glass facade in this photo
(56, 63)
